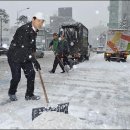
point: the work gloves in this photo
(37, 65)
(35, 62)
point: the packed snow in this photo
(56, 120)
(98, 92)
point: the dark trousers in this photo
(56, 62)
(65, 61)
(16, 76)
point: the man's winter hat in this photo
(39, 15)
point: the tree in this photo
(4, 18)
(22, 19)
(124, 22)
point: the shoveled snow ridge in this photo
(56, 120)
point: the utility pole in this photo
(45, 38)
(1, 29)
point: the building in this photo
(65, 12)
(124, 13)
(4, 33)
(57, 21)
(119, 14)
(44, 38)
(64, 15)
(113, 14)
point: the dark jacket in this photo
(23, 44)
(63, 48)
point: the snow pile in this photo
(7, 121)
(56, 120)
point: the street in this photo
(98, 92)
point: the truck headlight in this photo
(108, 54)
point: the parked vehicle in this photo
(77, 36)
(39, 53)
(116, 45)
(3, 51)
(100, 49)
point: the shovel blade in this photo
(66, 68)
(75, 66)
(60, 108)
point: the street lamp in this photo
(18, 12)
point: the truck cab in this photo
(116, 45)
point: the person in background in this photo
(58, 59)
(63, 50)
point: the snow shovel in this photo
(66, 67)
(42, 83)
(60, 107)
(43, 86)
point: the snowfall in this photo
(98, 93)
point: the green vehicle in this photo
(77, 36)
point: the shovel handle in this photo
(43, 86)
(41, 79)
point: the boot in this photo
(12, 97)
(51, 71)
(34, 97)
(63, 72)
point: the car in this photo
(3, 51)
(100, 49)
(39, 53)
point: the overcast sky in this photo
(90, 13)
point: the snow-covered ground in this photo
(98, 92)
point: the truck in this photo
(117, 43)
(77, 36)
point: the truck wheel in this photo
(118, 60)
(124, 60)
